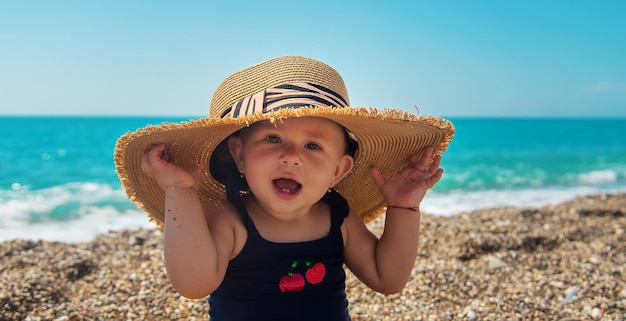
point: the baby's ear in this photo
(235, 146)
(344, 166)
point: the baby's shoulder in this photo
(222, 212)
(226, 226)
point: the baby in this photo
(293, 175)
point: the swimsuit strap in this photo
(339, 208)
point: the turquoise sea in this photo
(58, 181)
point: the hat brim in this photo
(386, 139)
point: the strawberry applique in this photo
(294, 282)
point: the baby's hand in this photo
(409, 185)
(156, 164)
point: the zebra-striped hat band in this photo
(294, 95)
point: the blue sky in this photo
(450, 58)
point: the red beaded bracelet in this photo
(413, 209)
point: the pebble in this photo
(494, 262)
(570, 294)
(596, 313)
(471, 315)
(558, 262)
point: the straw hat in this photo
(283, 87)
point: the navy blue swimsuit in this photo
(286, 281)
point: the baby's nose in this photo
(291, 156)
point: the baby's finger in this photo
(145, 163)
(157, 150)
(434, 179)
(197, 171)
(434, 166)
(424, 160)
(147, 160)
(152, 156)
(378, 177)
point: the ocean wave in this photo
(455, 202)
(73, 212)
(77, 212)
(595, 177)
(58, 203)
(482, 177)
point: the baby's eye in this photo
(273, 139)
(312, 146)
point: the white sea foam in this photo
(20, 205)
(74, 212)
(451, 203)
(595, 177)
(97, 208)
(83, 229)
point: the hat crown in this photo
(272, 73)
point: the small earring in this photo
(329, 190)
(241, 175)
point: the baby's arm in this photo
(195, 258)
(385, 265)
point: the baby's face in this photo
(292, 161)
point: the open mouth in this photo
(287, 185)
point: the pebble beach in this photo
(557, 262)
